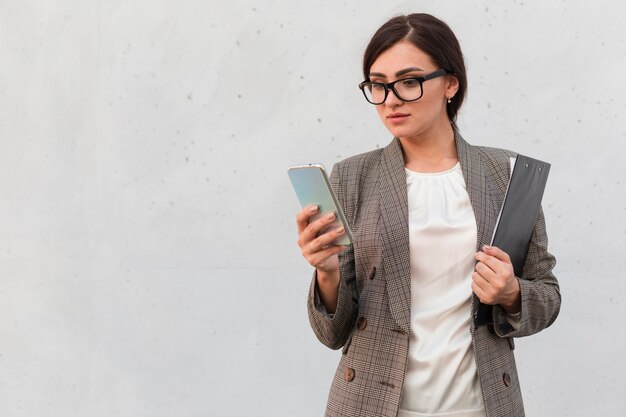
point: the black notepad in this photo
(517, 218)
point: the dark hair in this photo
(432, 36)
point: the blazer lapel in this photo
(485, 206)
(395, 233)
(478, 189)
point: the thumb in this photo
(497, 253)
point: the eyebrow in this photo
(398, 74)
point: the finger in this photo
(485, 271)
(327, 238)
(322, 242)
(491, 262)
(497, 253)
(317, 226)
(303, 216)
(318, 259)
(482, 296)
(481, 288)
(479, 280)
(478, 290)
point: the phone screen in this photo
(313, 188)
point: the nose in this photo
(392, 99)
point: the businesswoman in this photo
(400, 301)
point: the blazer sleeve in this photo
(540, 293)
(334, 329)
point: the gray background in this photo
(148, 264)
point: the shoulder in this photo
(496, 160)
(495, 155)
(358, 168)
(496, 163)
(361, 161)
(354, 177)
(489, 158)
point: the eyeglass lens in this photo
(407, 90)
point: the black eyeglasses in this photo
(406, 89)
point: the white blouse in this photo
(441, 377)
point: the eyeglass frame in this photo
(392, 85)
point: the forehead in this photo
(402, 55)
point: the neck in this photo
(431, 152)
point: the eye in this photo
(410, 83)
(377, 87)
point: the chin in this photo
(403, 132)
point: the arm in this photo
(533, 300)
(333, 328)
(540, 296)
(332, 300)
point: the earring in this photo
(449, 100)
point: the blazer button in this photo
(361, 323)
(372, 273)
(506, 378)
(348, 374)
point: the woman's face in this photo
(419, 118)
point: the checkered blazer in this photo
(372, 319)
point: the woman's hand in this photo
(317, 247)
(494, 281)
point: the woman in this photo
(400, 300)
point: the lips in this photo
(394, 117)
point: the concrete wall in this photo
(148, 264)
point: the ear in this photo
(452, 85)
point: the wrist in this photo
(328, 279)
(513, 305)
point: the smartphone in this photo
(312, 186)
